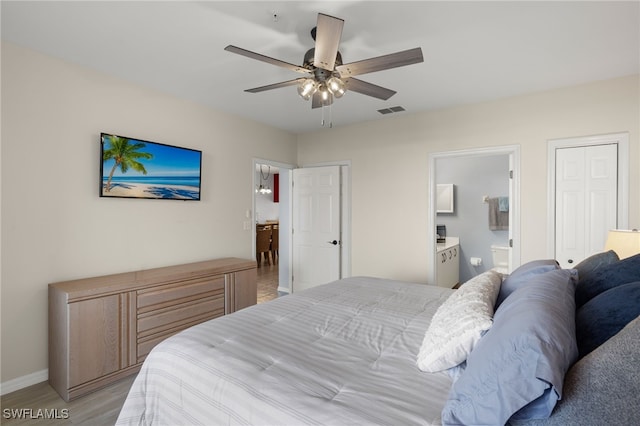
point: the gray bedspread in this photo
(343, 353)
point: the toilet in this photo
(500, 256)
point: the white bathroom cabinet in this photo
(448, 262)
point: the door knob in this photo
(334, 242)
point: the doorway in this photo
(588, 194)
(511, 154)
(271, 214)
(285, 255)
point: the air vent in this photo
(391, 110)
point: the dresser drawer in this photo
(162, 319)
(147, 341)
(171, 294)
(155, 326)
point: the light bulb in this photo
(307, 88)
(336, 87)
(324, 92)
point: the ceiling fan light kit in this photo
(336, 87)
(326, 77)
(307, 88)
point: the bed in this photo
(365, 350)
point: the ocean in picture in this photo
(157, 180)
(173, 187)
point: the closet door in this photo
(586, 200)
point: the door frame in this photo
(622, 140)
(513, 151)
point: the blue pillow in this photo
(607, 277)
(517, 368)
(594, 262)
(605, 315)
(521, 276)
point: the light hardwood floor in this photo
(31, 406)
(102, 407)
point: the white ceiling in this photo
(474, 51)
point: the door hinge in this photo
(510, 174)
(510, 242)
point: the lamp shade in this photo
(625, 243)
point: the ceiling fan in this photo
(325, 76)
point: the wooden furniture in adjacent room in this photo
(263, 243)
(267, 237)
(102, 328)
(275, 238)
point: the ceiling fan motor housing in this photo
(308, 61)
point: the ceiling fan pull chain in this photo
(331, 116)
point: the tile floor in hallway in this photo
(267, 282)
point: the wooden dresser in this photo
(102, 328)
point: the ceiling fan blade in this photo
(328, 34)
(368, 89)
(385, 62)
(317, 102)
(275, 85)
(267, 59)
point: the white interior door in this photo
(586, 200)
(316, 226)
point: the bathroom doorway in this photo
(479, 177)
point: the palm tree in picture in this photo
(125, 154)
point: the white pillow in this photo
(459, 323)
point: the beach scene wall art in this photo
(135, 168)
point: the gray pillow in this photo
(517, 368)
(521, 276)
(603, 387)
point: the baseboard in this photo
(24, 381)
(283, 290)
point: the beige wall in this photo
(54, 225)
(390, 164)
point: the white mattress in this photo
(337, 354)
